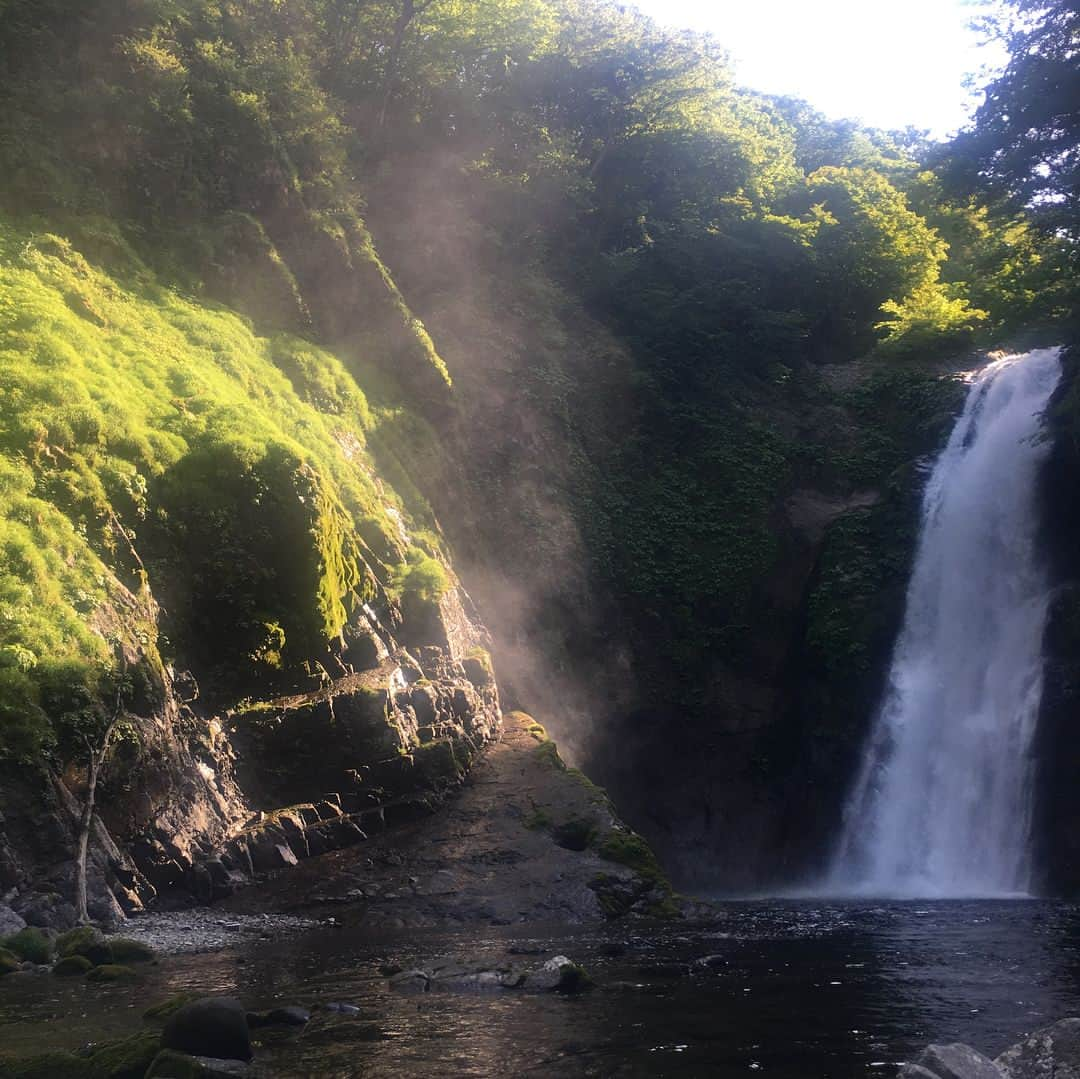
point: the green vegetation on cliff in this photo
(152, 442)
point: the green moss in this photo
(77, 941)
(538, 820)
(166, 1008)
(72, 966)
(136, 425)
(423, 577)
(127, 1058)
(47, 1066)
(438, 763)
(131, 951)
(30, 944)
(112, 972)
(629, 849)
(9, 962)
(547, 754)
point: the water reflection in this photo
(798, 990)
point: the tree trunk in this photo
(86, 820)
(409, 10)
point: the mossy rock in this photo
(127, 1058)
(630, 850)
(30, 945)
(112, 972)
(86, 941)
(574, 979)
(47, 1066)
(78, 940)
(72, 966)
(131, 951)
(9, 962)
(167, 1008)
(547, 754)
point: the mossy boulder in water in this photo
(72, 966)
(213, 1027)
(127, 1058)
(87, 942)
(30, 945)
(131, 951)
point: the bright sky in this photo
(890, 64)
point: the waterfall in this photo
(943, 801)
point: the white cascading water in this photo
(942, 805)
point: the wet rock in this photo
(955, 1061)
(270, 850)
(10, 922)
(341, 1009)
(289, 1016)
(213, 1027)
(1050, 1053)
(48, 912)
(410, 981)
(561, 975)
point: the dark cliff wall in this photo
(1057, 746)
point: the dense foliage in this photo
(163, 155)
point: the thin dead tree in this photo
(97, 750)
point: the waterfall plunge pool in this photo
(803, 990)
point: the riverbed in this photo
(794, 990)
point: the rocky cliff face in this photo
(198, 804)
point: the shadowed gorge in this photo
(474, 466)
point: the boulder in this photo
(410, 981)
(131, 951)
(10, 922)
(1050, 1053)
(289, 1016)
(955, 1061)
(211, 1027)
(72, 966)
(560, 975)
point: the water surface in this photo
(806, 989)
